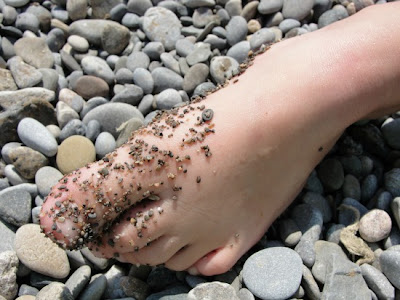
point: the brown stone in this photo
(89, 86)
(27, 161)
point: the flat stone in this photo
(78, 43)
(71, 98)
(177, 292)
(78, 280)
(297, 9)
(170, 62)
(126, 129)
(369, 186)
(91, 86)
(93, 129)
(50, 78)
(273, 273)
(239, 51)
(264, 36)
(377, 282)
(200, 54)
(137, 60)
(213, 290)
(101, 8)
(77, 9)
(154, 50)
(39, 253)
(390, 265)
(27, 161)
(36, 136)
(113, 277)
(25, 76)
(223, 68)
(333, 233)
(75, 152)
(8, 274)
(309, 284)
(134, 287)
(165, 78)
(162, 25)
(332, 16)
(196, 75)
(56, 291)
(139, 7)
(65, 114)
(35, 52)
(98, 67)
(13, 176)
(112, 115)
(288, 24)
(7, 236)
(7, 82)
(184, 47)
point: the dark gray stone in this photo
(78, 280)
(351, 187)
(392, 181)
(196, 75)
(320, 202)
(15, 207)
(27, 21)
(330, 172)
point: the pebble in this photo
(7, 237)
(137, 60)
(369, 186)
(196, 75)
(15, 207)
(9, 15)
(36, 136)
(105, 143)
(27, 21)
(223, 68)
(331, 174)
(213, 290)
(124, 76)
(392, 182)
(73, 127)
(56, 291)
(99, 263)
(250, 10)
(273, 273)
(383, 201)
(65, 114)
(115, 38)
(98, 67)
(75, 101)
(288, 24)
(375, 225)
(8, 274)
(239, 51)
(49, 79)
(320, 202)
(377, 282)
(391, 130)
(25, 289)
(13, 176)
(390, 264)
(351, 187)
(289, 232)
(202, 16)
(142, 78)
(177, 292)
(126, 129)
(69, 61)
(91, 86)
(200, 54)
(35, 52)
(134, 287)
(234, 7)
(7, 82)
(146, 105)
(170, 62)
(395, 206)
(95, 290)
(78, 280)
(77, 9)
(333, 233)
(215, 42)
(236, 30)
(297, 9)
(167, 99)
(131, 94)
(309, 284)
(78, 43)
(393, 239)
(162, 25)
(112, 115)
(331, 16)
(154, 50)
(39, 253)
(24, 75)
(264, 36)
(267, 7)
(165, 78)
(114, 288)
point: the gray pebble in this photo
(69, 62)
(369, 186)
(115, 38)
(168, 99)
(164, 78)
(391, 131)
(375, 225)
(377, 282)
(105, 143)
(142, 78)
(4, 183)
(204, 88)
(320, 202)
(15, 207)
(24, 75)
(313, 183)
(113, 277)
(95, 290)
(213, 290)
(35, 52)
(92, 103)
(200, 54)
(297, 9)
(9, 15)
(184, 47)
(333, 233)
(7, 48)
(395, 206)
(383, 201)
(194, 281)
(236, 30)
(170, 62)
(124, 76)
(77, 9)
(289, 232)
(13, 176)
(393, 239)
(55, 39)
(78, 280)
(309, 284)
(73, 127)
(183, 66)
(273, 273)
(250, 10)
(118, 12)
(99, 263)
(98, 67)
(196, 75)
(347, 216)
(288, 24)
(131, 94)
(7, 236)
(269, 6)
(60, 14)
(330, 172)
(35, 213)
(202, 16)
(137, 60)
(146, 105)
(27, 21)
(45, 178)
(49, 79)
(215, 42)
(223, 68)
(93, 129)
(234, 7)
(65, 114)
(392, 181)
(331, 16)
(78, 43)
(7, 149)
(56, 291)
(25, 289)
(390, 265)
(245, 294)
(154, 50)
(149, 117)
(239, 51)
(264, 36)
(351, 187)
(126, 129)
(352, 165)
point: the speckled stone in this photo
(75, 152)
(27, 161)
(223, 67)
(213, 290)
(8, 274)
(39, 253)
(45, 178)
(375, 225)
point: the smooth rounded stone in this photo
(154, 50)
(78, 280)
(92, 103)
(9, 15)
(239, 51)
(142, 78)
(105, 143)
(39, 253)
(99, 263)
(27, 161)
(134, 287)
(223, 68)
(389, 261)
(115, 38)
(131, 94)
(289, 232)
(234, 7)
(332, 16)
(95, 290)
(36, 136)
(393, 239)
(204, 88)
(352, 165)
(139, 7)
(27, 21)
(320, 202)
(170, 62)
(250, 10)
(75, 152)
(295, 32)
(236, 30)
(25, 289)
(253, 26)
(375, 225)
(49, 79)
(333, 233)
(91, 86)
(383, 201)
(71, 98)
(7, 236)
(198, 3)
(16, 3)
(351, 187)
(288, 24)
(77, 9)
(55, 39)
(24, 75)
(162, 25)
(113, 277)
(7, 148)
(56, 291)
(184, 47)
(395, 206)
(28, 187)
(69, 61)
(78, 43)
(297, 9)
(245, 294)
(330, 172)
(200, 54)
(215, 42)
(7, 48)
(126, 129)
(196, 75)
(118, 12)
(98, 67)
(167, 99)
(13, 176)
(93, 129)
(137, 60)
(309, 284)
(202, 16)
(7, 82)
(392, 181)
(391, 131)
(60, 14)
(124, 76)
(65, 114)
(212, 290)
(273, 273)
(149, 117)
(4, 183)
(269, 6)
(264, 36)
(325, 252)
(35, 214)
(8, 274)
(165, 78)
(309, 219)
(146, 105)
(73, 127)
(45, 178)
(91, 29)
(377, 282)
(313, 183)
(369, 186)
(112, 115)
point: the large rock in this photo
(34, 51)
(8, 274)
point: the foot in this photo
(201, 184)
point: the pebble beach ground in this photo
(77, 77)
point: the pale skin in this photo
(272, 127)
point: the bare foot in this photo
(201, 185)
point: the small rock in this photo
(126, 129)
(196, 75)
(234, 7)
(27, 21)
(391, 130)
(264, 36)
(13, 176)
(134, 287)
(98, 67)
(50, 78)
(115, 38)
(392, 181)
(250, 10)
(114, 289)
(267, 7)
(375, 225)
(377, 282)
(154, 50)
(93, 129)
(77, 9)
(213, 290)
(184, 47)
(39, 253)
(297, 9)
(333, 233)
(330, 172)
(200, 54)
(35, 52)
(45, 178)
(395, 206)
(124, 76)
(320, 202)
(204, 88)
(7, 82)
(236, 30)
(351, 187)
(168, 99)
(78, 280)
(288, 24)
(130, 94)
(95, 290)
(78, 43)
(309, 284)
(24, 75)
(273, 273)
(332, 16)
(8, 274)
(239, 51)
(65, 113)
(369, 186)
(164, 78)
(7, 236)
(142, 78)
(75, 101)
(289, 232)
(27, 161)
(56, 291)
(99, 263)
(73, 127)
(25, 289)
(91, 86)
(105, 143)
(390, 265)
(223, 68)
